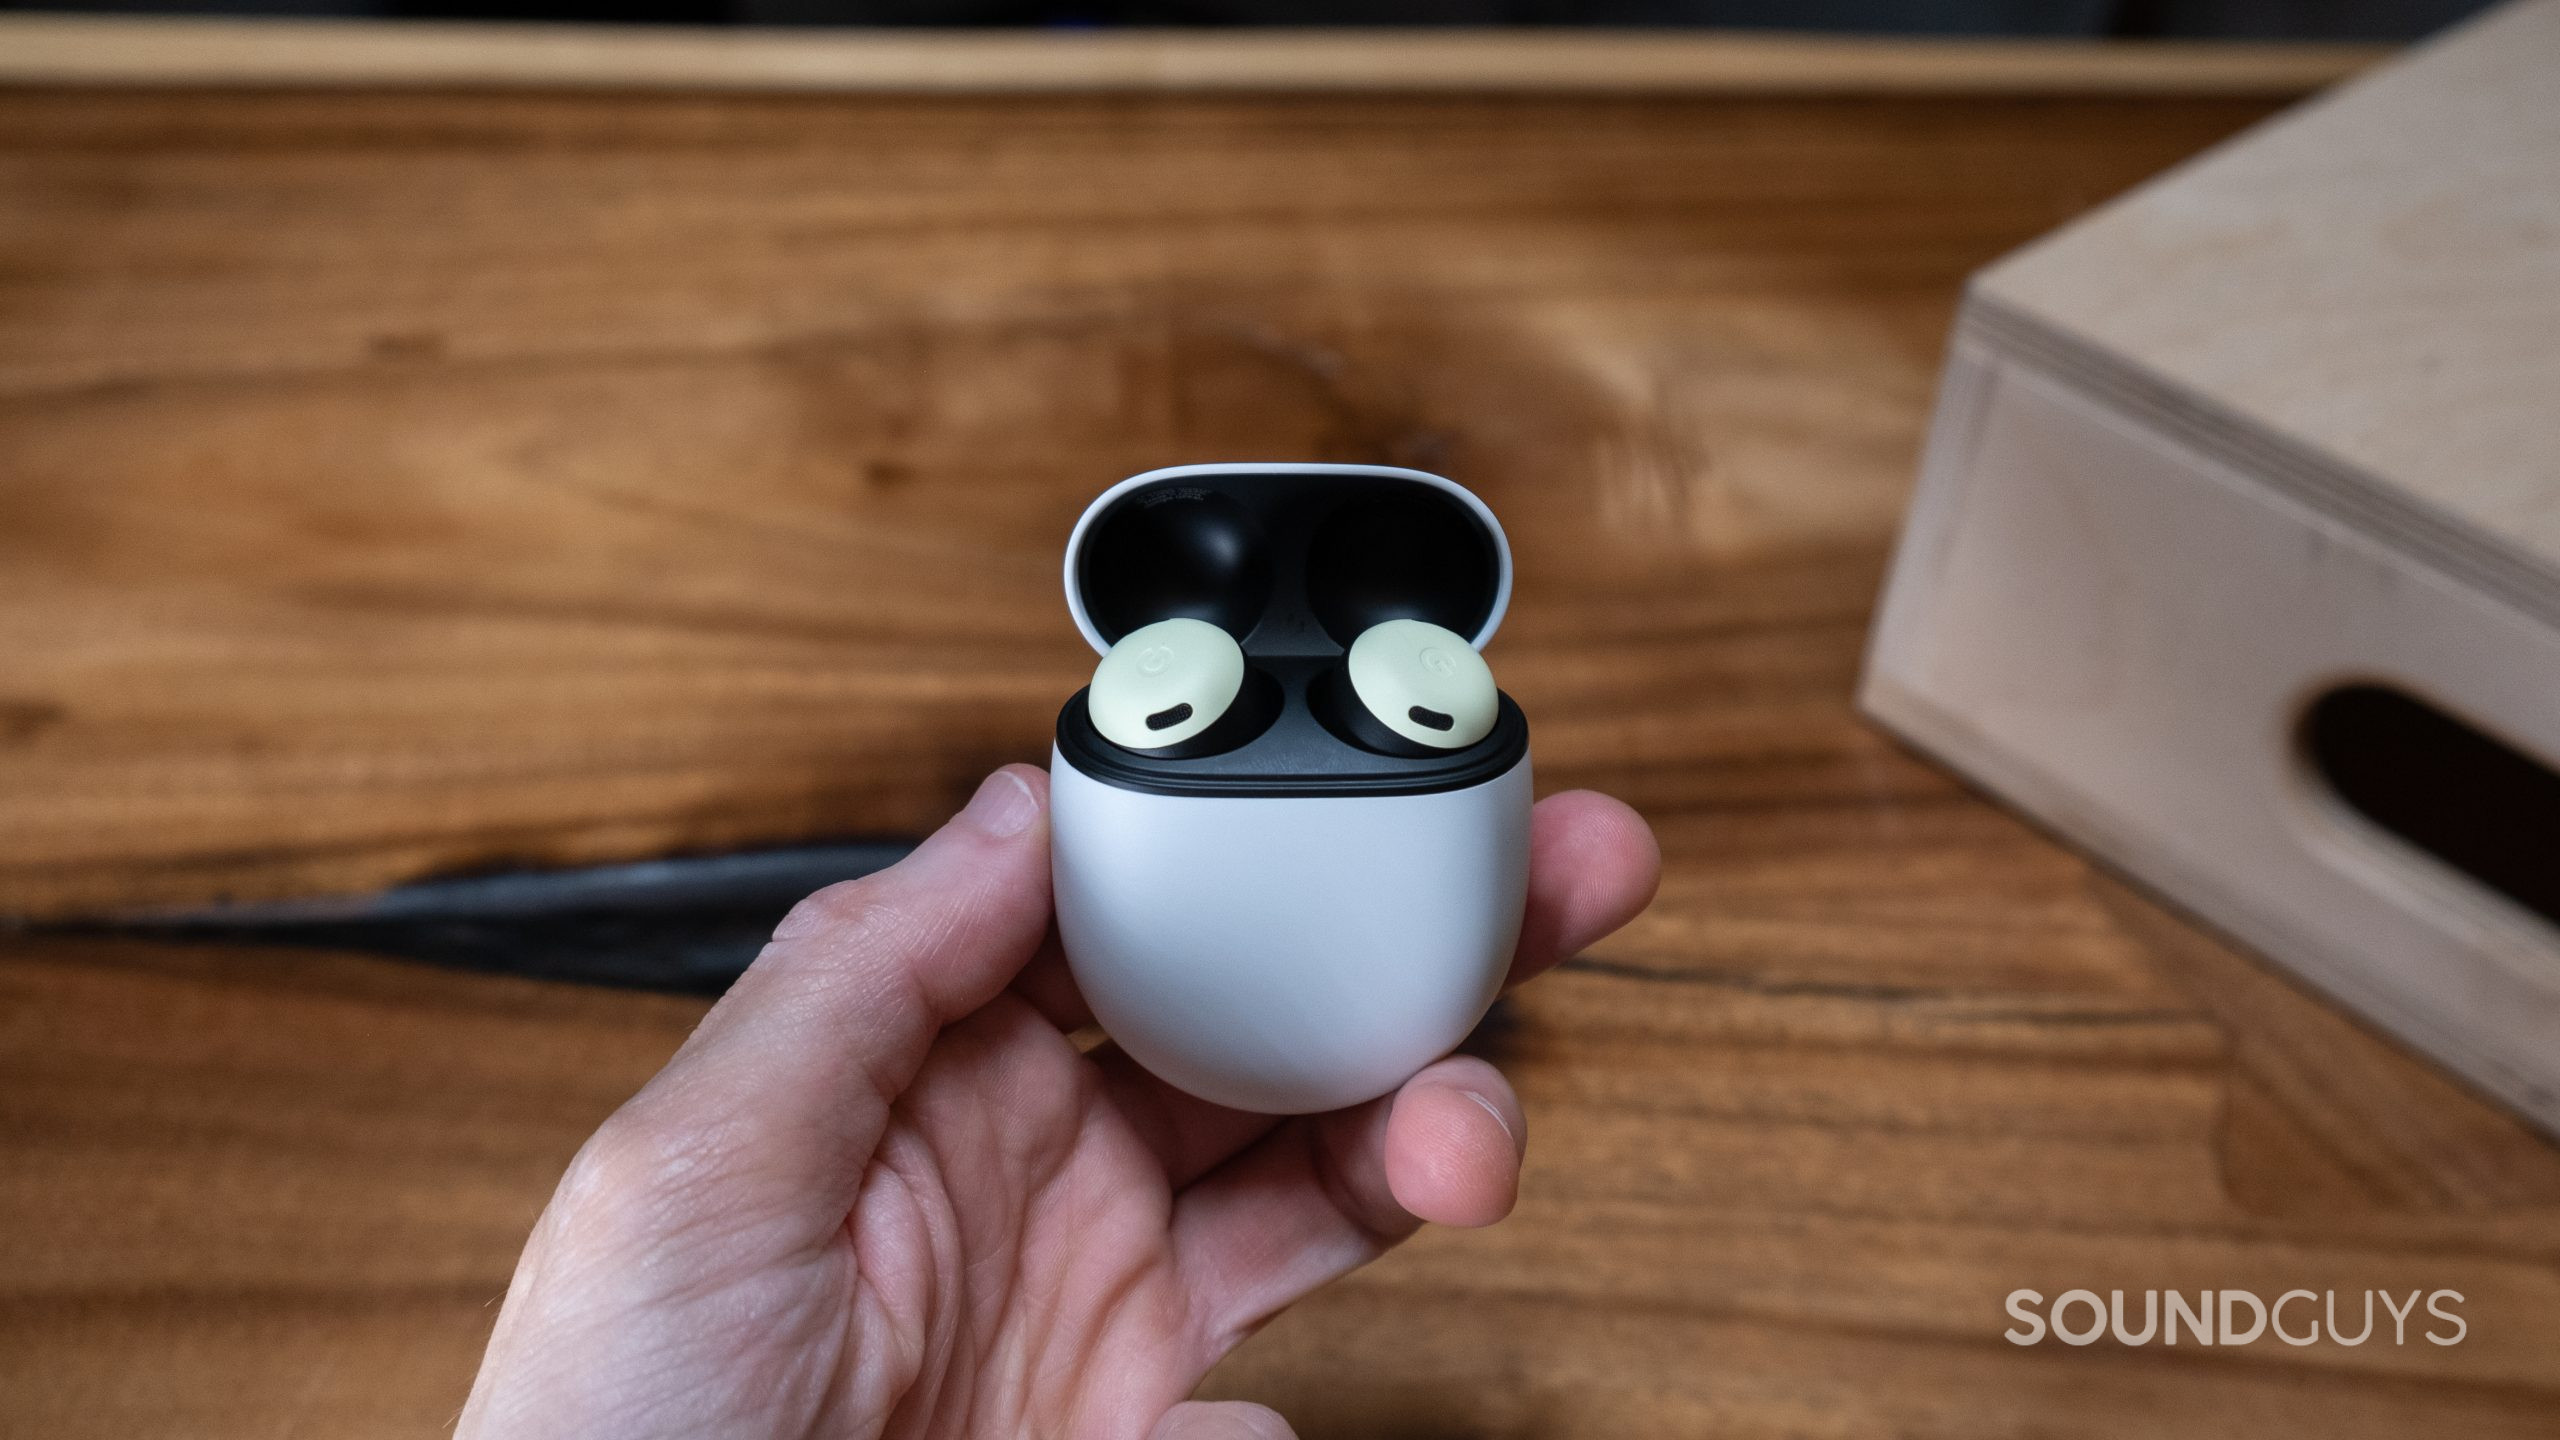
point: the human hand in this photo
(879, 1191)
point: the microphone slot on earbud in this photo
(1167, 719)
(1432, 718)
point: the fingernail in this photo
(1004, 805)
(1496, 1112)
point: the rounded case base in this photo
(1288, 954)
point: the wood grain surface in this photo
(129, 50)
(395, 483)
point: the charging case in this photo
(1296, 923)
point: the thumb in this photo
(785, 1087)
(1221, 1420)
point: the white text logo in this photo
(2226, 1317)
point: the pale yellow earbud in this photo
(1165, 683)
(1426, 684)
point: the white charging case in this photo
(1297, 923)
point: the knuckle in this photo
(844, 907)
(638, 1175)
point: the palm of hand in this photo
(1014, 1242)
(881, 1193)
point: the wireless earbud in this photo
(1178, 690)
(1165, 683)
(1409, 687)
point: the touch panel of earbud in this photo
(1424, 683)
(1165, 683)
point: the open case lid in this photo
(1290, 559)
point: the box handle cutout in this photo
(2467, 798)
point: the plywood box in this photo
(2236, 552)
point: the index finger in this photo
(1593, 866)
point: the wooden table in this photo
(400, 480)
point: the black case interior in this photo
(1294, 564)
